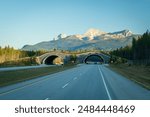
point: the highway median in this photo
(15, 76)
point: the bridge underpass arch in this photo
(93, 58)
(53, 60)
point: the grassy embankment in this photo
(137, 73)
(11, 77)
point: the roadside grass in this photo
(137, 73)
(12, 77)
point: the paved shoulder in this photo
(123, 88)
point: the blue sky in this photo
(32, 21)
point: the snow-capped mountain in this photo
(91, 33)
(92, 39)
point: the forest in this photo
(10, 56)
(138, 53)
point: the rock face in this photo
(92, 39)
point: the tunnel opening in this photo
(94, 59)
(53, 60)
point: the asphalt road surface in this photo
(85, 82)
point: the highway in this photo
(84, 82)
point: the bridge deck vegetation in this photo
(12, 77)
(137, 73)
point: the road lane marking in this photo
(47, 99)
(105, 84)
(19, 88)
(35, 82)
(22, 87)
(65, 85)
(75, 78)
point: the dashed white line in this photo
(65, 85)
(105, 84)
(75, 78)
(47, 99)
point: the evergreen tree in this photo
(139, 52)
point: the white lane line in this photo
(47, 99)
(65, 85)
(105, 84)
(27, 85)
(75, 78)
(35, 82)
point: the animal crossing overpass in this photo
(49, 57)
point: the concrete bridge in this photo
(48, 58)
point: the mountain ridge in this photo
(91, 39)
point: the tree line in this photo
(10, 54)
(139, 52)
